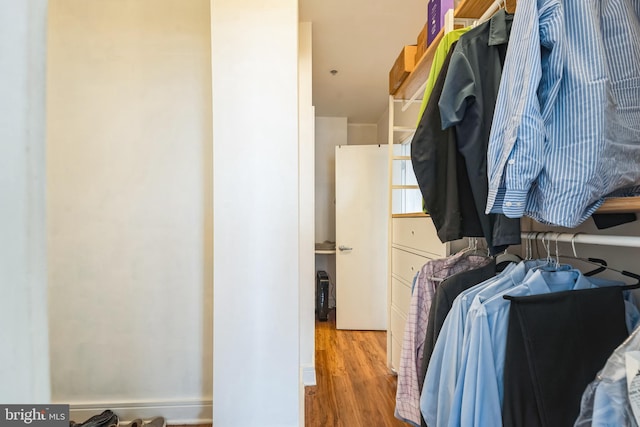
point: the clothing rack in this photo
(496, 5)
(587, 239)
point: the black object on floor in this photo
(322, 295)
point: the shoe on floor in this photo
(105, 419)
(134, 423)
(155, 422)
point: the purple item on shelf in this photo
(436, 9)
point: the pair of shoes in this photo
(105, 419)
(135, 423)
(153, 422)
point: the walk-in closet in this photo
(319, 213)
(527, 148)
(514, 170)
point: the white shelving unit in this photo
(412, 236)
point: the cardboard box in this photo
(436, 9)
(422, 43)
(404, 65)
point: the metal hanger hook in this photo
(533, 238)
(547, 246)
(573, 244)
(536, 248)
(529, 245)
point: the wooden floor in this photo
(354, 387)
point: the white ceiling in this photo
(361, 39)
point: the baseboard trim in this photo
(309, 375)
(175, 412)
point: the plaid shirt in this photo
(429, 276)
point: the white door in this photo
(362, 199)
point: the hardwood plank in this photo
(620, 205)
(410, 215)
(354, 387)
(472, 9)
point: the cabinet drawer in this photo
(396, 348)
(418, 233)
(398, 321)
(400, 295)
(405, 265)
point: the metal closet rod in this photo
(587, 239)
(491, 10)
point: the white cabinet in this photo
(413, 242)
(417, 235)
(412, 236)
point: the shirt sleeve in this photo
(459, 89)
(611, 405)
(408, 393)
(516, 144)
(442, 370)
(438, 59)
(632, 316)
(476, 399)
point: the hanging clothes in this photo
(464, 383)
(448, 355)
(479, 390)
(407, 392)
(440, 171)
(445, 295)
(565, 132)
(605, 402)
(556, 343)
(467, 103)
(439, 58)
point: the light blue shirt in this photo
(605, 402)
(444, 365)
(522, 271)
(565, 130)
(479, 390)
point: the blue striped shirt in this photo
(566, 129)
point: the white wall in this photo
(307, 207)
(129, 206)
(362, 134)
(24, 358)
(330, 132)
(383, 127)
(256, 228)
